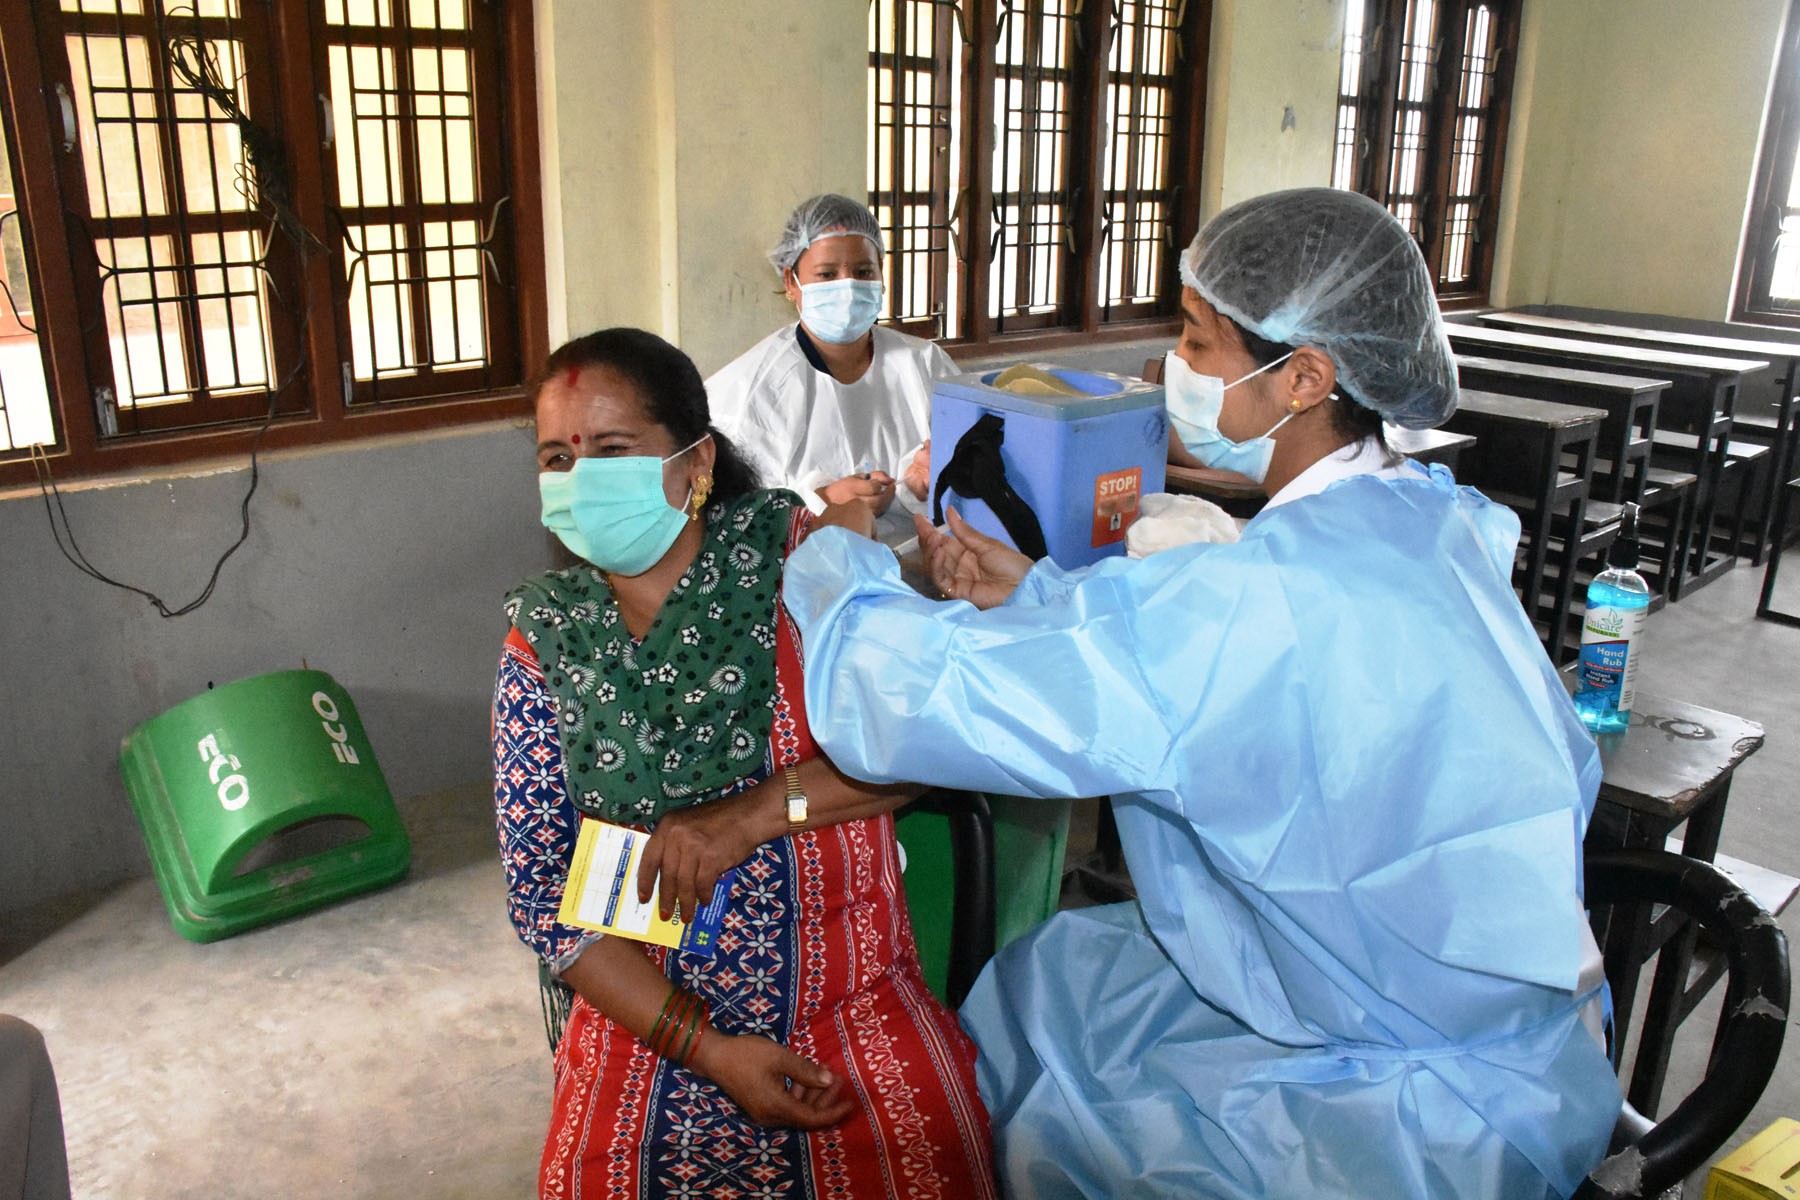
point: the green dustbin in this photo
(259, 800)
(1030, 838)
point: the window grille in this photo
(1422, 102)
(1033, 217)
(1349, 146)
(25, 414)
(242, 210)
(179, 254)
(1768, 288)
(1137, 213)
(1033, 162)
(914, 153)
(418, 199)
(1467, 194)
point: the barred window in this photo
(1030, 159)
(279, 210)
(1768, 287)
(1423, 98)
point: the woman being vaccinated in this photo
(656, 685)
(1350, 787)
(833, 406)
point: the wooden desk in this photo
(1765, 603)
(1428, 445)
(1703, 389)
(1630, 402)
(1518, 460)
(1206, 481)
(1673, 764)
(1776, 426)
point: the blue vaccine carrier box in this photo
(1082, 462)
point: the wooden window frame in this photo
(64, 290)
(968, 228)
(1775, 164)
(1378, 107)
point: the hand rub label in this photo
(1607, 664)
(1611, 635)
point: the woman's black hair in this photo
(672, 391)
(1349, 416)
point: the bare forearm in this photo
(621, 982)
(831, 798)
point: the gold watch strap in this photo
(796, 799)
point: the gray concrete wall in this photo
(382, 563)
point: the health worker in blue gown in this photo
(1350, 788)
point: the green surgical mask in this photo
(612, 511)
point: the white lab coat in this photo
(803, 429)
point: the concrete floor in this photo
(391, 1045)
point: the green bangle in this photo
(698, 1019)
(656, 1030)
(677, 1018)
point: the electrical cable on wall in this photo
(263, 177)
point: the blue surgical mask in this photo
(1194, 403)
(613, 511)
(840, 310)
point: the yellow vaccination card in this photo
(602, 893)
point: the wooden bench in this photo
(1767, 404)
(1630, 403)
(1703, 389)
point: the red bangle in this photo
(699, 1035)
(697, 1023)
(668, 1024)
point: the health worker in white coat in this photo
(1350, 787)
(833, 406)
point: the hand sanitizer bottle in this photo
(1611, 634)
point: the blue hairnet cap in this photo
(1334, 270)
(823, 216)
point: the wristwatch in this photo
(796, 800)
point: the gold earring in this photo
(702, 489)
(1296, 404)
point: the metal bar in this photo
(406, 122)
(187, 317)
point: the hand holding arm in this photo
(692, 847)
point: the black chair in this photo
(973, 916)
(1650, 1157)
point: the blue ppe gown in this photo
(1352, 794)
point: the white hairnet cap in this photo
(823, 216)
(1334, 270)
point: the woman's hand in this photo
(966, 565)
(692, 847)
(755, 1071)
(875, 489)
(918, 471)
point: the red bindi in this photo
(576, 439)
